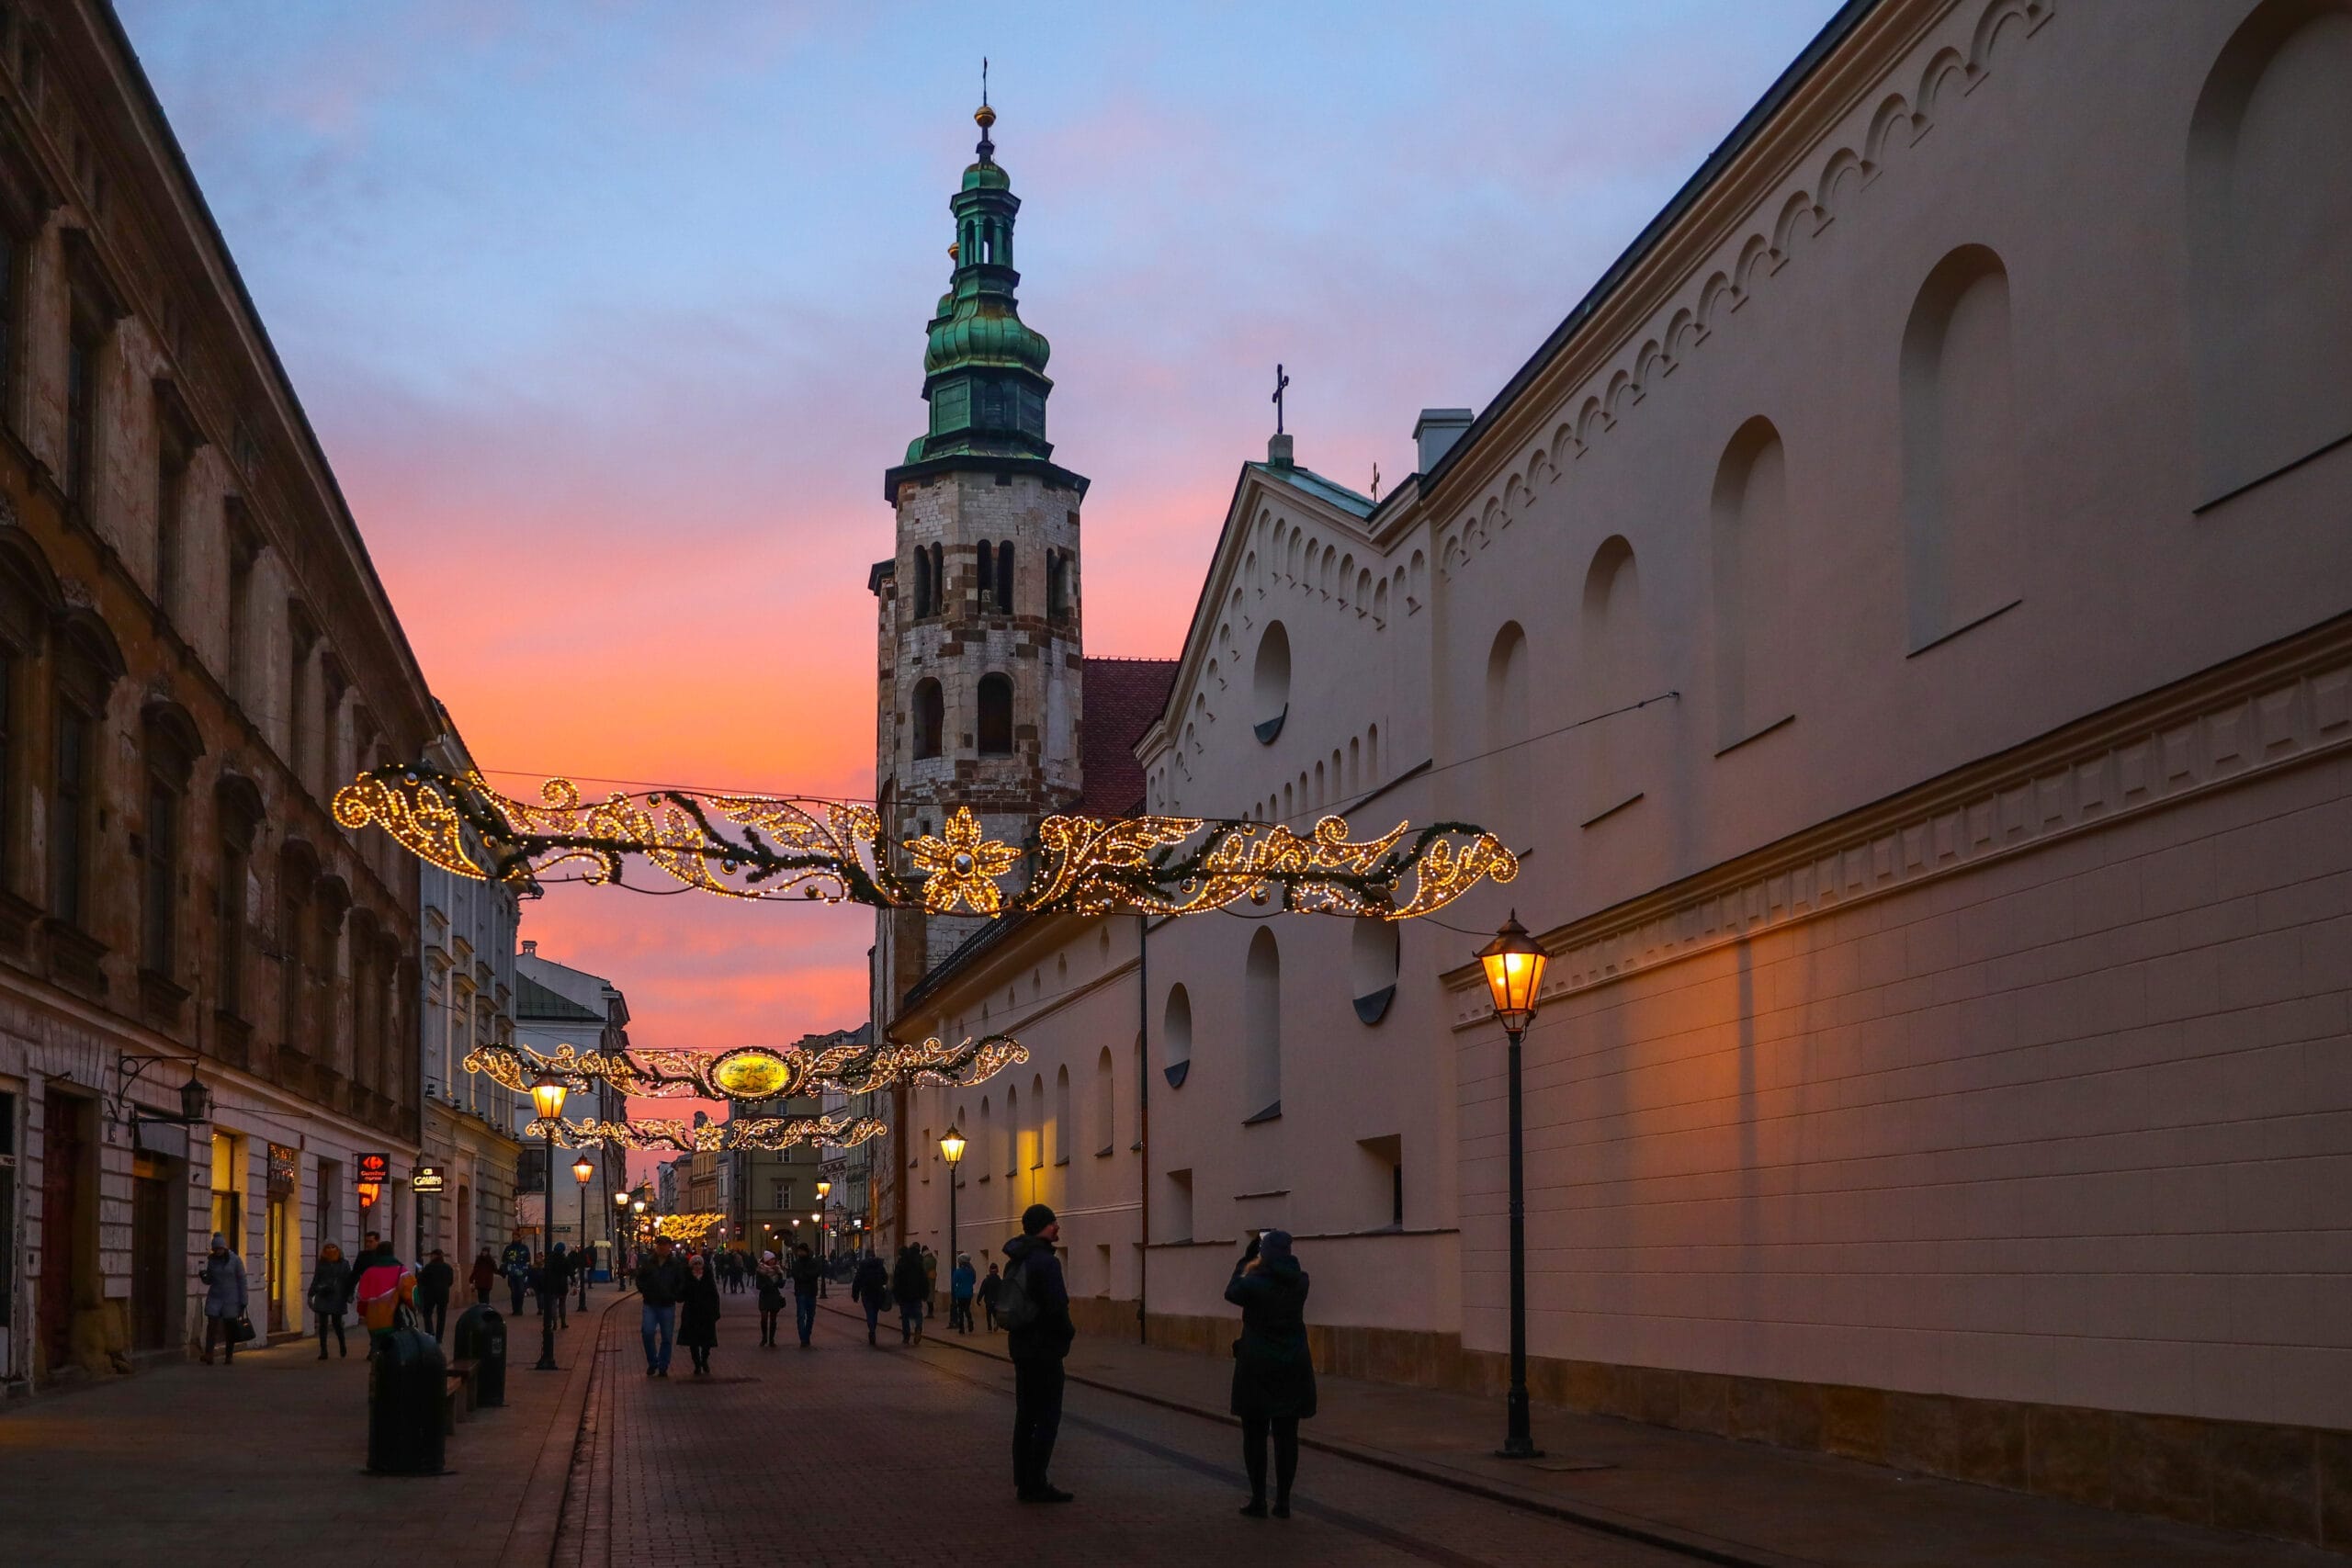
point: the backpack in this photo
(1015, 1308)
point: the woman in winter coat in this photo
(331, 1296)
(698, 1313)
(769, 1281)
(911, 1288)
(870, 1287)
(224, 1273)
(484, 1276)
(1273, 1374)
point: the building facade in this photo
(468, 928)
(194, 652)
(1902, 617)
(555, 1005)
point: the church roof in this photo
(1330, 491)
(1122, 696)
(535, 1002)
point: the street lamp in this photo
(581, 1169)
(547, 1094)
(951, 1149)
(1514, 965)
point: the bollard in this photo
(407, 1380)
(481, 1338)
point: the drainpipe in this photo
(1143, 1123)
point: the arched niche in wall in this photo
(1373, 954)
(1176, 1037)
(2270, 245)
(1960, 496)
(1270, 683)
(1749, 538)
(1261, 1030)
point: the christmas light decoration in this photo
(756, 1072)
(691, 1230)
(771, 847)
(842, 1129)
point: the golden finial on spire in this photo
(984, 115)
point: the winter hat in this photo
(767, 1257)
(220, 1242)
(1274, 1246)
(1034, 1218)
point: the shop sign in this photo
(285, 1165)
(426, 1179)
(374, 1170)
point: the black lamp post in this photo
(546, 1098)
(1514, 965)
(951, 1149)
(581, 1169)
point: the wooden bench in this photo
(457, 1394)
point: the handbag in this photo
(241, 1331)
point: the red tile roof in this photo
(1122, 696)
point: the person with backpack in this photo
(960, 1284)
(382, 1287)
(805, 1274)
(870, 1288)
(911, 1288)
(1033, 1303)
(987, 1291)
(1273, 1372)
(434, 1283)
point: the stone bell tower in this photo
(979, 607)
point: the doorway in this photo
(153, 1276)
(66, 1145)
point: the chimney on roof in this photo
(1435, 432)
(1278, 452)
(530, 949)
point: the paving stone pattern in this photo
(845, 1455)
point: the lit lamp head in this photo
(548, 1093)
(951, 1149)
(621, 1200)
(637, 1205)
(823, 1187)
(583, 1169)
(1514, 965)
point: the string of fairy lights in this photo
(774, 847)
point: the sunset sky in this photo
(610, 317)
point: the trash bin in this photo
(407, 1380)
(482, 1339)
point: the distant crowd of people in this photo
(679, 1292)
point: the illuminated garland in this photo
(693, 1230)
(757, 1072)
(680, 1137)
(766, 847)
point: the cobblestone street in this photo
(843, 1455)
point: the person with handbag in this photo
(223, 1277)
(331, 1297)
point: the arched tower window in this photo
(986, 576)
(929, 718)
(1004, 577)
(996, 715)
(922, 582)
(1057, 585)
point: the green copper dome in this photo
(984, 367)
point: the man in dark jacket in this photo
(805, 1274)
(433, 1282)
(1037, 1347)
(870, 1287)
(660, 1284)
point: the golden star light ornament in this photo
(770, 847)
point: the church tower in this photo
(979, 607)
